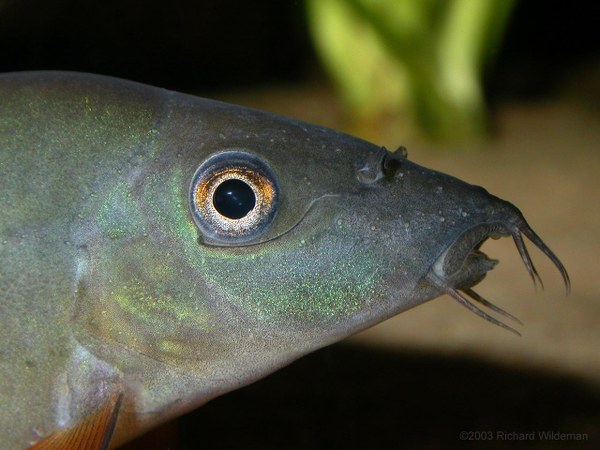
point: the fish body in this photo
(158, 250)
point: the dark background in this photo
(349, 397)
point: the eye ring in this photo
(233, 216)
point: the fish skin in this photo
(106, 282)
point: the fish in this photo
(158, 250)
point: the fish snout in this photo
(462, 265)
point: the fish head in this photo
(249, 240)
(164, 249)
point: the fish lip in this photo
(463, 264)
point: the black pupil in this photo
(234, 199)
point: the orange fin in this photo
(91, 433)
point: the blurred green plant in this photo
(423, 59)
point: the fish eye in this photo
(234, 197)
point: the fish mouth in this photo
(462, 265)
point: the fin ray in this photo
(92, 433)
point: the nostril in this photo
(390, 165)
(372, 171)
(381, 164)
